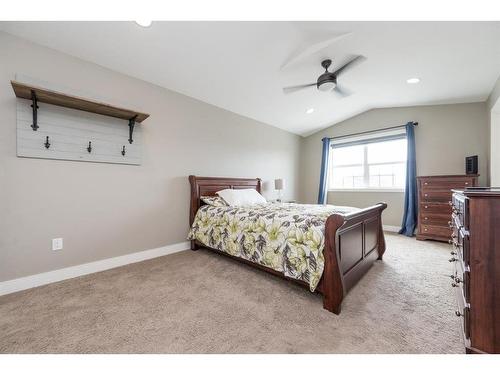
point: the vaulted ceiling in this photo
(242, 66)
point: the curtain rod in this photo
(371, 131)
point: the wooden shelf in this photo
(69, 101)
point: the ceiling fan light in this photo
(144, 22)
(327, 86)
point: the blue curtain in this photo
(410, 206)
(323, 178)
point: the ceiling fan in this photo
(328, 80)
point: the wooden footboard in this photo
(352, 243)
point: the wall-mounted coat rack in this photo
(51, 122)
(38, 94)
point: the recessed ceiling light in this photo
(310, 110)
(144, 23)
(413, 80)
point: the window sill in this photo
(363, 190)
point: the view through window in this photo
(373, 165)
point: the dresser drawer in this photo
(464, 245)
(462, 279)
(460, 284)
(435, 208)
(460, 242)
(460, 208)
(455, 221)
(434, 219)
(446, 183)
(435, 196)
(436, 230)
(463, 312)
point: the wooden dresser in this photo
(434, 197)
(475, 223)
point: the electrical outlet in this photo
(57, 244)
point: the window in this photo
(375, 163)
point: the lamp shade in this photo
(279, 184)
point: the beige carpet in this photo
(200, 302)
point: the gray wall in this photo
(107, 210)
(494, 133)
(445, 135)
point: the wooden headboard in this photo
(208, 186)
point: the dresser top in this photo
(479, 191)
(450, 176)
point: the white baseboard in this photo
(390, 228)
(15, 285)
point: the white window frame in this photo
(399, 133)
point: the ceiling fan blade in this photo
(290, 89)
(351, 64)
(341, 91)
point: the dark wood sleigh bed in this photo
(353, 242)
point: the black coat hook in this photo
(35, 107)
(131, 124)
(89, 149)
(123, 151)
(47, 143)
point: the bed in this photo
(350, 240)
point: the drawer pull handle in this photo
(426, 183)
(451, 260)
(426, 195)
(425, 206)
(425, 229)
(426, 218)
(466, 183)
(458, 313)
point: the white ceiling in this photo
(242, 66)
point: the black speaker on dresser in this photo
(471, 164)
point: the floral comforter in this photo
(286, 237)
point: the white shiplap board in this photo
(69, 133)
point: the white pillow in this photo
(241, 197)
